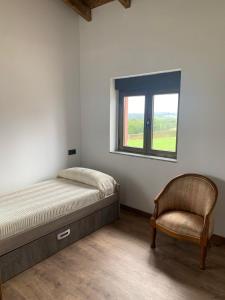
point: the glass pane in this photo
(164, 131)
(133, 127)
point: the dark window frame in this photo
(126, 90)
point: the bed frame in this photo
(18, 260)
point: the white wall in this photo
(39, 90)
(156, 36)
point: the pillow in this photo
(103, 182)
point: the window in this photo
(148, 114)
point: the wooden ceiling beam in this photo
(96, 3)
(82, 9)
(125, 3)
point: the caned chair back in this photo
(190, 192)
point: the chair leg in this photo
(203, 256)
(153, 238)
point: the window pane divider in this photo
(148, 127)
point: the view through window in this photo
(164, 130)
(134, 113)
(148, 114)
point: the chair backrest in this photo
(191, 192)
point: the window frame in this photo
(148, 127)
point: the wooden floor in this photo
(116, 262)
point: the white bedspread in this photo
(42, 203)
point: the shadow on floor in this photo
(178, 260)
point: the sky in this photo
(167, 103)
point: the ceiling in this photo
(84, 7)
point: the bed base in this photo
(28, 255)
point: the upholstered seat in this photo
(184, 210)
(181, 222)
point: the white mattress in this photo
(42, 203)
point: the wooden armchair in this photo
(184, 210)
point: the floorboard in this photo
(116, 262)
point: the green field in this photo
(164, 132)
(160, 143)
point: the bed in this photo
(40, 220)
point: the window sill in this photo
(172, 160)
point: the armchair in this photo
(183, 210)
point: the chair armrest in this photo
(207, 227)
(155, 213)
(205, 230)
(161, 203)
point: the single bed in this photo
(40, 220)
